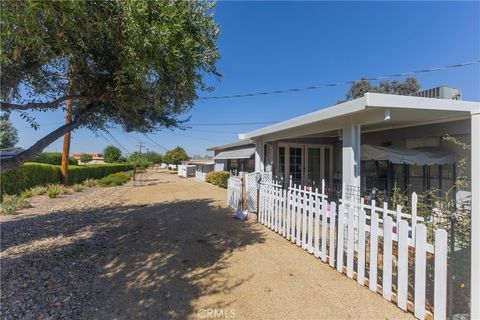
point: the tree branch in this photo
(41, 144)
(6, 106)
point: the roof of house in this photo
(443, 108)
(243, 153)
(94, 155)
(238, 143)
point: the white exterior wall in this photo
(351, 157)
(475, 253)
(259, 156)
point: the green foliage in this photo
(86, 158)
(37, 190)
(175, 156)
(115, 179)
(29, 175)
(111, 154)
(39, 174)
(359, 88)
(78, 174)
(12, 203)
(53, 158)
(137, 64)
(139, 161)
(8, 133)
(218, 178)
(53, 190)
(153, 157)
(90, 183)
(78, 187)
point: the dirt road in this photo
(171, 250)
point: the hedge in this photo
(34, 174)
(53, 158)
(218, 178)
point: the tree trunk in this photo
(38, 147)
(66, 145)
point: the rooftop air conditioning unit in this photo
(442, 92)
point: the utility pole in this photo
(140, 145)
(66, 145)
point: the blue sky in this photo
(279, 45)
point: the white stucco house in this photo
(236, 156)
(378, 142)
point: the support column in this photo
(475, 189)
(259, 155)
(351, 160)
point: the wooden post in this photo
(66, 145)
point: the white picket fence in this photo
(234, 192)
(355, 239)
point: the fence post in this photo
(414, 215)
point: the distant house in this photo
(97, 158)
(236, 156)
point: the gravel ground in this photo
(165, 248)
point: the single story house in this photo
(97, 158)
(202, 166)
(237, 156)
(372, 144)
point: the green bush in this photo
(54, 191)
(38, 190)
(218, 178)
(38, 174)
(54, 158)
(78, 174)
(115, 179)
(29, 175)
(90, 183)
(78, 187)
(12, 203)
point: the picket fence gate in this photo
(351, 230)
(235, 192)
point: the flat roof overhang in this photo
(370, 111)
(231, 145)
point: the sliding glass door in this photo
(295, 166)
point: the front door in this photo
(318, 165)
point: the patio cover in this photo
(235, 154)
(407, 156)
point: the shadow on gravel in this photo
(119, 262)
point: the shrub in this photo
(54, 190)
(90, 183)
(78, 187)
(218, 178)
(13, 203)
(115, 179)
(26, 194)
(29, 175)
(54, 158)
(38, 190)
(35, 174)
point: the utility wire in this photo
(119, 144)
(154, 142)
(227, 124)
(336, 84)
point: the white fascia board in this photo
(242, 142)
(410, 102)
(323, 114)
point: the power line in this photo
(336, 84)
(118, 143)
(228, 124)
(154, 142)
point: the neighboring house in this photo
(202, 166)
(97, 158)
(370, 144)
(9, 152)
(236, 156)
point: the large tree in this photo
(8, 133)
(175, 156)
(111, 154)
(135, 64)
(359, 88)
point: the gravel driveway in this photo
(165, 249)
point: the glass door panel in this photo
(296, 165)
